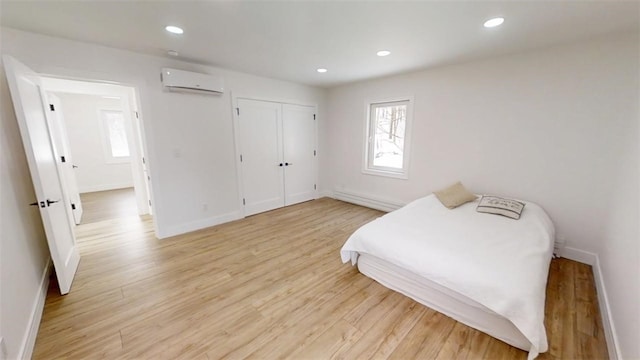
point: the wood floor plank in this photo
(567, 292)
(305, 323)
(273, 286)
(326, 345)
(425, 341)
(477, 345)
(498, 350)
(394, 335)
(457, 341)
(555, 307)
(104, 205)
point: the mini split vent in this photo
(180, 80)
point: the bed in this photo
(486, 271)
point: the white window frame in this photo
(367, 161)
(106, 141)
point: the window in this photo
(387, 140)
(116, 144)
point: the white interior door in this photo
(299, 136)
(141, 161)
(260, 137)
(65, 159)
(27, 95)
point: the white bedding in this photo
(498, 262)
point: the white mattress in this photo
(443, 300)
(499, 263)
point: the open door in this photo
(27, 95)
(65, 159)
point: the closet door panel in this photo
(299, 136)
(260, 130)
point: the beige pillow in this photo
(454, 196)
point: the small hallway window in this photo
(115, 135)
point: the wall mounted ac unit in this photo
(180, 80)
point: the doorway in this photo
(47, 148)
(98, 131)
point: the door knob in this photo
(49, 202)
(287, 164)
(280, 164)
(74, 166)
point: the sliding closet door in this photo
(260, 135)
(299, 136)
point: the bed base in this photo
(443, 300)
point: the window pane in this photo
(389, 131)
(117, 134)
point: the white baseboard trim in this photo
(197, 225)
(605, 311)
(105, 187)
(578, 255)
(325, 193)
(29, 342)
(367, 200)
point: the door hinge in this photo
(244, 202)
(238, 111)
(143, 160)
(314, 116)
(240, 157)
(314, 153)
(62, 159)
(314, 187)
(51, 107)
(73, 206)
(149, 202)
(137, 116)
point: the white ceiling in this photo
(289, 40)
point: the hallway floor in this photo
(105, 205)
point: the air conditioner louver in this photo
(180, 80)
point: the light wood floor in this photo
(272, 286)
(105, 205)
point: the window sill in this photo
(392, 174)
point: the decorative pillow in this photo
(499, 206)
(454, 196)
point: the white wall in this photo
(557, 127)
(189, 136)
(23, 248)
(83, 123)
(619, 252)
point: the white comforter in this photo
(499, 262)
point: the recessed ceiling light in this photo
(493, 22)
(322, 70)
(174, 29)
(383, 53)
(173, 53)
